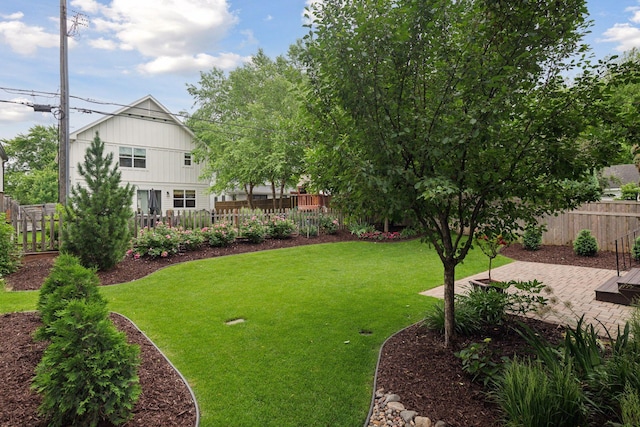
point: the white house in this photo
(154, 152)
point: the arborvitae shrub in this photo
(532, 238)
(67, 281)
(635, 251)
(88, 374)
(585, 244)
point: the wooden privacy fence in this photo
(36, 226)
(607, 221)
(199, 219)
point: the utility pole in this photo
(63, 146)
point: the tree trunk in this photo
(282, 184)
(386, 225)
(449, 292)
(273, 195)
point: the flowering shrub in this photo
(191, 240)
(328, 224)
(280, 228)
(379, 235)
(220, 234)
(253, 230)
(309, 230)
(160, 241)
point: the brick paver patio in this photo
(574, 288)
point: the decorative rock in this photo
(397, 406)
(423, 422)
(391, 398)
(407, 416)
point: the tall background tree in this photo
(97, 213)
(31, 175)
(246, 125)
(456, 114)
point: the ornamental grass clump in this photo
(585, 244)
(220, 234)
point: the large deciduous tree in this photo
(245, 125)
(31, 174)
(455, 113)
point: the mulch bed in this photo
(414, 364)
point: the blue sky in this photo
(128, 49)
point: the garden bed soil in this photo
(414, 364)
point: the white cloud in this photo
(24, 39)
(626, 35)
(13, 16)
(103, 43)
(167, 28)
(89, 6)
(15, 113)
(187, 63)
(250, 38)
(268, 18)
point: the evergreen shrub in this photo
(88, 374)
(585, 244)
(9, 252)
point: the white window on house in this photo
(133, 157)
(187, 159)
(184, 198)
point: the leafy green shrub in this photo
(585, 244)
(67, 281)
(328, 224)
(629, 191)
(308, 230)
(279, 227)
(88, 373)
(408, 233)
(98, 212)
(635, 250)
(9, 252)
(531, 396)
(220, 234)
(360, 228)
(191, 240)
(532, 238)
(467, 321)
(476, 361)
(159, 241)
(490, 305)
(253, 229)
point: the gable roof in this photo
(624, 173)
(147, 108)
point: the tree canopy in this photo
(31, 174)
(246, 125)
(455, 114)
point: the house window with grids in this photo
(184, 198)
(187, 159)
(133, 157)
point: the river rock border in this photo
(388, 411)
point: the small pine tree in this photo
(97, 214)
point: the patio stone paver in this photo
(573, 287)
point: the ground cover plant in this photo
(300, 357)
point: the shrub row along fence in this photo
(304, 220)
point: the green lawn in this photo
(299, 359)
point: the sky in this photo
(123, 50)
